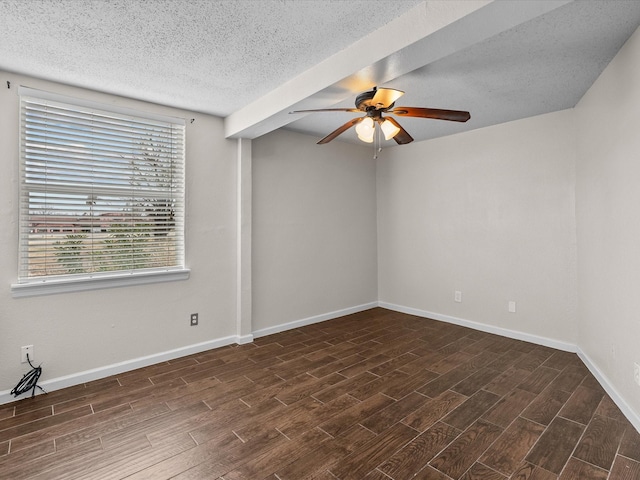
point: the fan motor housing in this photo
(363, 101)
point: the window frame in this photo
(72, 282)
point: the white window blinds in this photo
(101, 192)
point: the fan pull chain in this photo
(375, 150)
(377, 142)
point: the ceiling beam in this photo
(430, 31)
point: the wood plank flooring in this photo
(375, 395)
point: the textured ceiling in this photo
(208, 56)
(254, 61)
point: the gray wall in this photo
(75, 332)
(313, 248)
(608, 221)
(543, 211)
(314, 228)
(489, 213)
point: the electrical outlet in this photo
(27, 349)
(512, 307)
(457, 296)
(194, 319)
(636, 373)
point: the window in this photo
(101, 192)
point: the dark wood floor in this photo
(375, 395)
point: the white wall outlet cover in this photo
(24, 351)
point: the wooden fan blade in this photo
(384, 97)
(453, 115)
(328, 110)
(402, 137)
(340, 130)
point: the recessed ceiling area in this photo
(253, 62)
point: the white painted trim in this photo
(102, 372)
(243, 239)
(117, 368)
(128, 365)
(241, 340)
(504, 332)
(315, 319)
(51, 286)
(624, 407)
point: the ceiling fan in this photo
(382, 100)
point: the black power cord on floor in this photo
(29, 381)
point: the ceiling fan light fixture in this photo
(366, 139)
(365, 130)
(389, 129)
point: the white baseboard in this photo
(117, 368)
(504, 332)
(241, 340)
(632, 416)
(624, 407)
(102, 372)
(315, 319)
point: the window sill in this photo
(68, 285)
